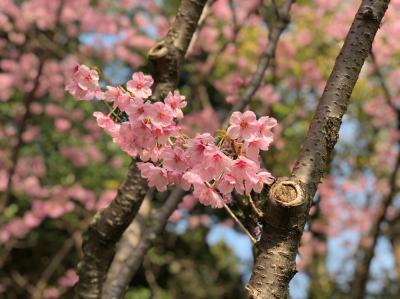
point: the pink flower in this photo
(243, 168)
(127, 140)
(159, 113)
(84, 84)
(31, 220)
(136, 109)
(156, 176)
(208, 196)
(198, 145)
(105, 122)
(51, 293)
(69, 279)
(175, 160)
(191, 178)
(243, 125)
(244, 171)
(176, 102)
(62, 124)
(265, 124)
(226, 183)
(140, 85)
(215, 162)
(151, 154)
(253, 145)
(175, 216)
(143, 135)
(152, 133)
(117, 95)
(263, 177)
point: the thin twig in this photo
(242, 227)
(200, 25)
(256, 210)
(264, 61)
(382, 82)
(52, 267)
(214, 57)
(21, 281)
(234, 16)
(150, 278)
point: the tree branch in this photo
(290, 198)
(265, 59)
(200, 25)
(168, 54)
(108, 226)
(240, 224)
(385, 88)
(51, 268)
(130, 240)
(105, 230)
(30, 98)
(117, 281)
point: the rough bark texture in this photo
(105, 230)
(168, 54)
(129, 241)
(108, 226)
(288, 203)
(133, 252)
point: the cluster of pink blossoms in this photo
(214, 166)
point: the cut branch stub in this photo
(287, 205)
(287, 192)
(282, 228)
(158, 51)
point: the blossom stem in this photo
(243, 228)
(256, 210)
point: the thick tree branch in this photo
(168, 54)
(117, 281)
(105, 230)
(108, 226)
(290, 199)
(265, 59)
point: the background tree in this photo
(55, 162)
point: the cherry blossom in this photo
(176, 102)
(140, 85)
(84, 83)
(243, 125)
(214, 167)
